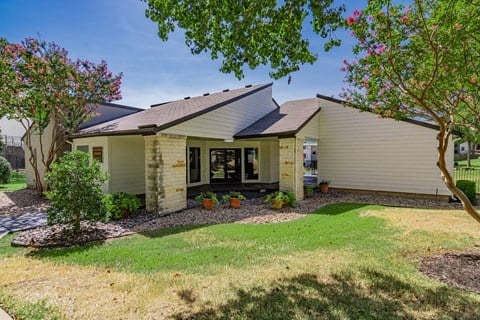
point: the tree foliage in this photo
(420, 61)
(76, 190)
(248, 33)
(40, 85)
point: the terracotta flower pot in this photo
(234, 203)
(277, 204)
(324, 188)
(208, 204)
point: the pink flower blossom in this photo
(357, 13)
(351, 20)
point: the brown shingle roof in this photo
(162, 116)
(290, 118)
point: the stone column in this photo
(291, 165)
(165, 172)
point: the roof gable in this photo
(162, 116)
(287, 120)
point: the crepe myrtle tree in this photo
(250, 32)
(419, 61)
(41, 85)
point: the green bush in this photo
(120, 205)
(469, 188)
(5, 170)
(76, 190)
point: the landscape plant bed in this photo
(253, 211)
(460, 269)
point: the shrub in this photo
(469, 189)
(233, 194)
(286, 198)
(76, 190)
(5, 170)
(120, 205)
(207, 195)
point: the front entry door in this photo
(225, 165)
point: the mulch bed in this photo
(459, 269)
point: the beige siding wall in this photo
(97, 142)
(228, 120)
(127, 164)
(45, 140)
(268, 157)
(359, 150)
(311, 129)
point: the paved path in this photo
(20, 222)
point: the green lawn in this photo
(345, 261)
(17, 182)
(474, 162)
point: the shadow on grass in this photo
(368, 295)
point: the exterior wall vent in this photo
(248, 86)
(226, 90)
(186, 98)
(206, 94)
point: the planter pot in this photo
(234, 203)
(277, 204)
(208, 204)
(324, 188)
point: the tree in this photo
(420, 61)
(248, 32)
(1, 141)
(77, 190)
(40, 85)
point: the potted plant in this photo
(275, 199)
(323, 185)
(208, 199)
(235, 198)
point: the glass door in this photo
(225, 165)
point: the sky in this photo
(155, 71)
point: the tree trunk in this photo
(442, 138)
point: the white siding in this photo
(97, 142)
(127, 164)
(311, 129)
(228, 120)
(360, 150)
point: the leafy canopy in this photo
(249, 32)
(40, 85)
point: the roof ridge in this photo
(228, 91)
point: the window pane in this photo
(97, 153)
(251, 163)
(194, 164)
(83, 148)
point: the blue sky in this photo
(154, 71)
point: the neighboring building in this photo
(11, 133)
(105, 112)
(243, 137)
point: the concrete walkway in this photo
(21, 222)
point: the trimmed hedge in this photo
(469, 188)
(5, 170)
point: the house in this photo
(105, 112)
(243, 136)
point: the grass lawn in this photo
(345, 261)
(17, 182)
(474, 162)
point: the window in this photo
(194, 164)
(251, 163)
(97, 153)
(82, 148)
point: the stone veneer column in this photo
(165, 172)
(291, 165)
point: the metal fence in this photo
(468, 174)
(13, 151)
